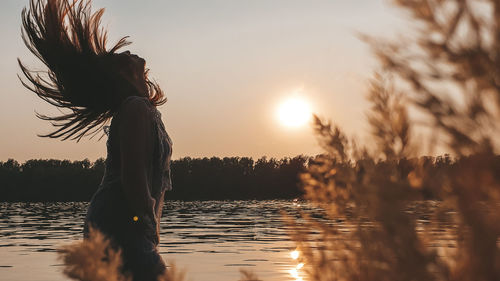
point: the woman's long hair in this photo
(82, 75)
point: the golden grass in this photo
(451, 73)
(94, 259)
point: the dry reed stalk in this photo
(451, 72)
(94, 259)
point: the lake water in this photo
(211, 240)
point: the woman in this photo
(95, 85)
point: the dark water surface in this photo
(211, 240)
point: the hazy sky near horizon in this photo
(225, 66)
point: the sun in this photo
(294, 112)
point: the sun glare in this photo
(294, 254)
(294, 112)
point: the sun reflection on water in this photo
(295, 272)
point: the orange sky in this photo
(225, 67)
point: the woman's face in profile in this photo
(133, 68)
(135, 61)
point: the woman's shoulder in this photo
(135, 106)
(134, 111)
(135, 102)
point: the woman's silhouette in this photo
(94, 85)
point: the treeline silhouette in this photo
(193, 178)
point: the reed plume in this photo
(449, 72)
(95, 259)
(92, 260)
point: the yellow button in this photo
(135, 218)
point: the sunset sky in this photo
(226, 67)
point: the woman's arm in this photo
(135, 151)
